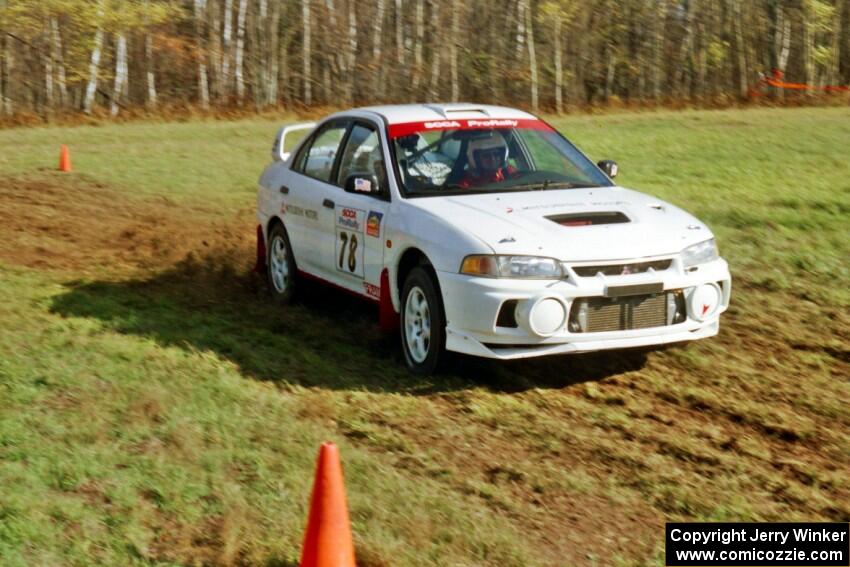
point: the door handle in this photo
(328, 203)
(284, 189)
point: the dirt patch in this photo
(587, 456)
(70, 224)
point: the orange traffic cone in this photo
(328, 542)
(64, 158)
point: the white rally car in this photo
(482, 230)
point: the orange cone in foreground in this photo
(64, 159)
(328, 542)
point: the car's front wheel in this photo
(280, 265)
(423, 325)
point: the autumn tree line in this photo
(112, 55)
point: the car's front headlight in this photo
(533, 267)
(700, 253)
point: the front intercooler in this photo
(600, 314)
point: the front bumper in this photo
(472, 306)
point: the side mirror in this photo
(610, 167)
(364, 183)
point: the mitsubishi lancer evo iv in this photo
(482, 230)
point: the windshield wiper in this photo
(550, 184)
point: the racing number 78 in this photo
(349, 244)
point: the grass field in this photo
(155, 410)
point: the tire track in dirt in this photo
(634, 431)
(75, 225)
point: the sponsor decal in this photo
(350, 219)
(372, 290)
(705, 308)
(492, 123)
(363, 185)
(443, 124)
(407, 128)
(296, 211)
(373, 224)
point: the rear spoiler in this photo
(278, 147)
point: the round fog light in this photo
(547, 316)
(704, 301)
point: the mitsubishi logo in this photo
(626, 271)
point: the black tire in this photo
(280, 266)
(427, 354)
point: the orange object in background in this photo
(64, 158)
(777, 80)
(328, 542)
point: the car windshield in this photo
(488, 156)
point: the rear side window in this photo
(363, 155)
(317, 160)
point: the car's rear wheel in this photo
(423, 325)
(280, 265)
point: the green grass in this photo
(165, 414)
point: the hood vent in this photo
(589, 219)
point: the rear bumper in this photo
(472, 307)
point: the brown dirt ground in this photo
(650, 441)
(75, 225)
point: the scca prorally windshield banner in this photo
(407, 128)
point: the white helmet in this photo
(487, 153)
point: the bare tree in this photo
(58, 59)
(782, 41)
(120, 86)
(377, 38)
(5, 65)
(436, 54)
(240, 50)
(532, 59)
(520, 28)
(453, 49)
(150, 74)
(351, 61)
(658, 28)
(203, 81)
(808, 42)
(559, 65)
(47, 58)
(227, 46)
(399, 31)
(307, 53)
(418, 44)
(835, 48)
(94, 63)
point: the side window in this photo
(363, 155)
(318, 160)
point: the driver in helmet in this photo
(487, 161)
